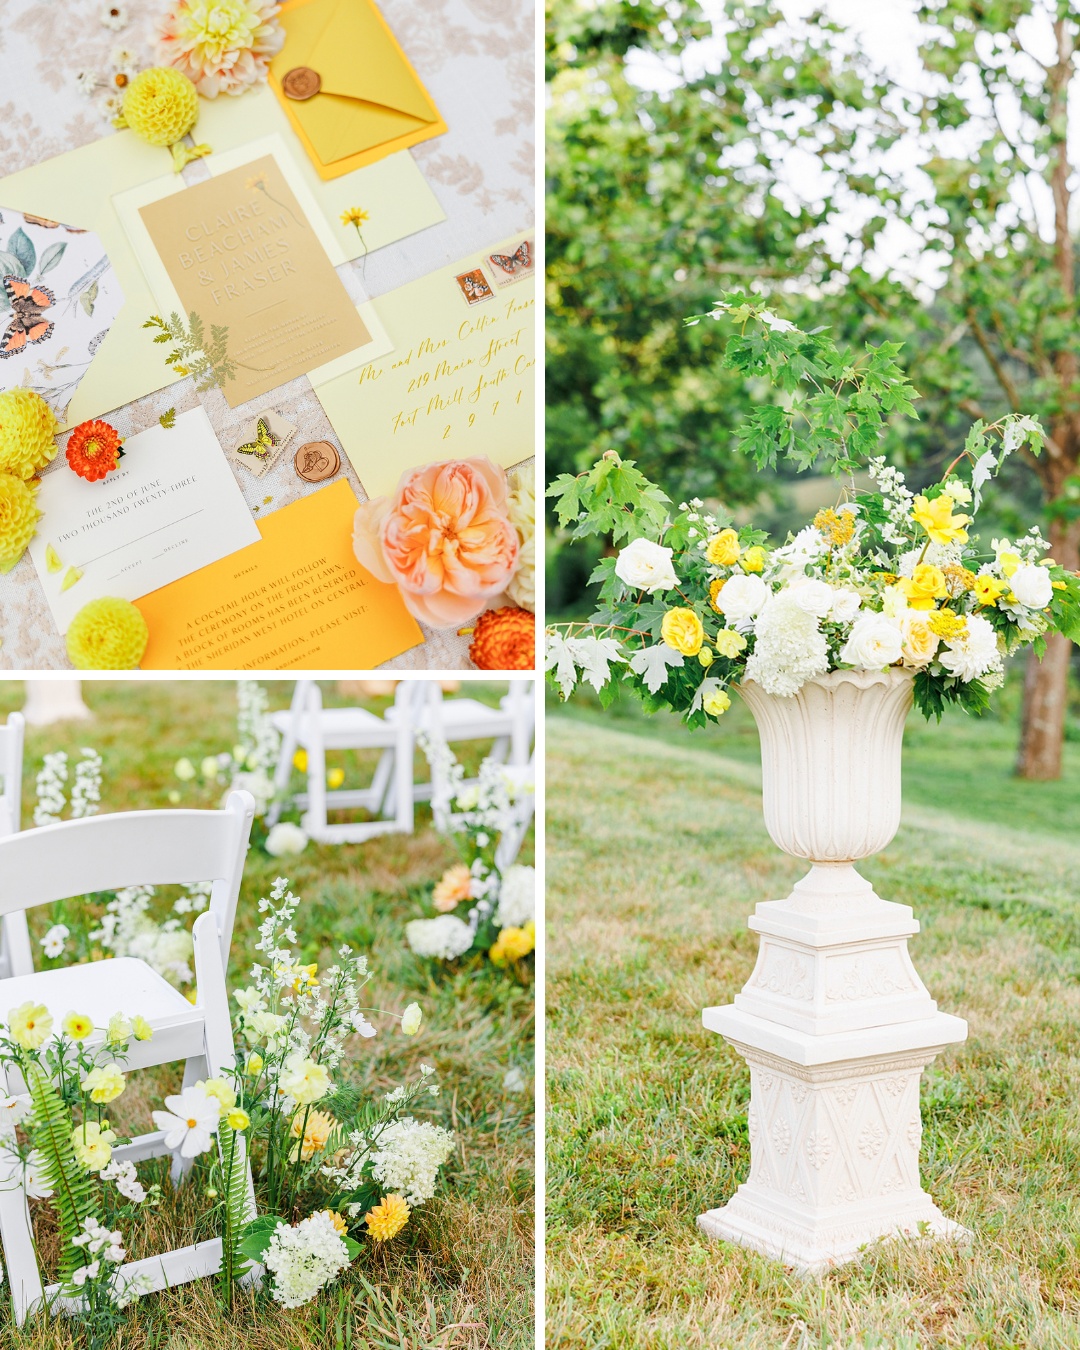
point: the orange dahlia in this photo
(504, 639)
(93, 450)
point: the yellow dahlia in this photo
(513, 943)
(388, 1218)
(316, 1128)
(18, 519)
(27, 433)
(107, 634)
(161, 105)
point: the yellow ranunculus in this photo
(717, 703)
(104, 1084)
(78, 1026)
(753, 560)
(682, 629)
(988, 590)
(724, 549)
(924, 586)
(937, 519)
(729, 643)
(30, 1024)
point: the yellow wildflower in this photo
(926, 585)
(30, 1025)
(300, 761)
(837, 526)
(682, 629)
(947, 625)
(715, 587)
(513, 943)
(237, 1119)
(937, 519)
(335, 778)
(388, 1218)
(753, 560)
(717, 703)
(988, 590)
(104, 1083)
(729, 643)
(724, 549)
(78, 1026)
(354, 215)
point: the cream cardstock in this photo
(171, 507)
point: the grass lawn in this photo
(657, 854)
(461, 1273)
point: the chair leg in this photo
(20, 1256)
(382, 785)
(403, 781)
(282, 773)
(16, 953)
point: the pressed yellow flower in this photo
(682, 629)
(729, 643)
(388, 1218)
(837, 526)
(104, 1083)
(30, 1025)
(988, 590)
(753, 560)
(937, 519)
(316, 1130)
(354, 215)
(926, 585)
(724, 549)
(715, 587)
(237, 1119)
(27, 433)
(78, 1026)
(337, 1220)
(257, 180)
(717, 703)
(107, 634)
(946, 624)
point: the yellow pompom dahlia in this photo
(107, 634)
(388, 1218)
(18, 519)
(27, 433)
(161, 105)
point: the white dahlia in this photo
(222, 46)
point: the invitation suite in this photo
(296, 600)
(241, 254)
(459, 382)
(172, 506)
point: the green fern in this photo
(234, 1263)
(74, 1193)
(207, 360)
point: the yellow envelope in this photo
(371, 102)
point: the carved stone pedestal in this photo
(834, 1022)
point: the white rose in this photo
(646, 566)
(284, 839)
(741, 598)
(845, 605)
(1032, 586)
(874, 643)
(813, 597)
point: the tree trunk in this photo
(1046, 682)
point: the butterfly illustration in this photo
(28, 324)
(262, 445)
(520, 260)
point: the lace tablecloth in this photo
(476, 59)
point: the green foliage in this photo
(236, 1205)
(207, 359)
(614, 498)
(168, 419)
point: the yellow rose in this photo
(937, 519)
(723, 550)
(30, 1025)
(926, 585)
(104, 1084)
(729, 643)
(682, 629)
(753, 560)
(988, 590)
(78, 1026)
(717, 703)
(920, 643)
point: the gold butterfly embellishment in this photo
(262, 445)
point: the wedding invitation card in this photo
(170, 507)
(241, 254)
(460, 379)
(296, 600)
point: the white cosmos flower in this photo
(646, 566)
(1032, 586)
(874, 643)
(190, 1122)
(742, 597)
(13, 1110)
(12, 1168)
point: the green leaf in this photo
(22, 246)
(351, 1246)
(51, 257)
(168, 419)
(11, 266)
(255, 1236)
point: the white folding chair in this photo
(16, 957)
(107, 853)
(512, 838)
(308, 726)
(510, 725)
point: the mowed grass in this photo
(461, 1274)
(657, 854)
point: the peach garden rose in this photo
(444, 538)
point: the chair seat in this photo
(460, 715)
(99, 989)
(342, 728)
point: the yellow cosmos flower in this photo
(30, 1024)
(937, 519)
(729, 643)
(988, 590)
(388, 1218)
(715, 587)
(753, 560)
(926, 585)
(104, 1084)
(354, 215)
(724, 549)
(717, 703)
(682, 629)
(78, 1026)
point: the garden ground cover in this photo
(657, 853)
(460, 1276)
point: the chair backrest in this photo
(131, 848)
(11, 759)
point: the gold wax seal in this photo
(301, 82)
(317, 461)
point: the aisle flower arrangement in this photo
(481, 904)
(692, 604)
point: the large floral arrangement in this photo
(485, 903)
(692, 604)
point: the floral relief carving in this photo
(895, 1086)
(781, 1135)
(871, 1140)
(799, 1093)
(914, 1133)
(784, 973)
(752, 1122)
(819, 1149)
(845, 1094)
(855, 980)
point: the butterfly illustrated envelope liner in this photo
(59, 296)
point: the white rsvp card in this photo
(171, 507)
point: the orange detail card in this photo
(296, 600)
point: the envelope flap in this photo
(357, 57)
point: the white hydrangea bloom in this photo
(407, 1155)
(444, 938)
(517, 897)
(975, 653)
(304, 1259)
(789, 649)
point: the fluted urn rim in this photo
(863, 679)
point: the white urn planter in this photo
(834, 1022)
